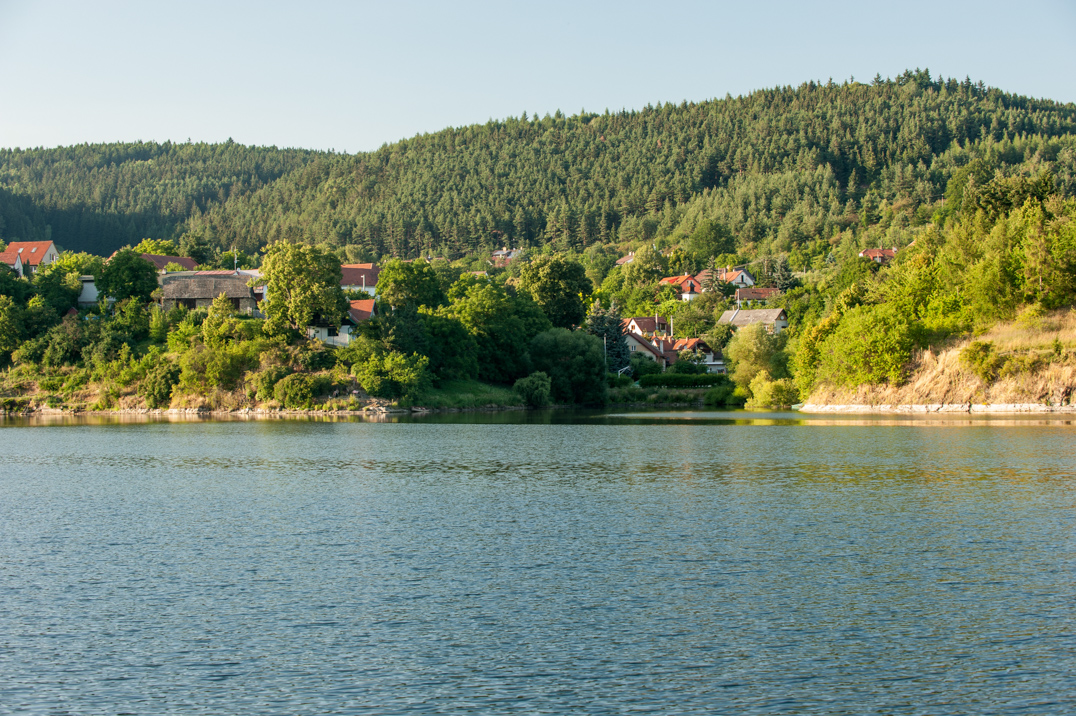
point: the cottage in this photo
(623, 260)
(688, 286)
(637, 345)
(879, 256)
(746, 295)
(13, 260)
(774, 318)
(646, 325)
(358, 311)
(360, 277)
(160, 262)
(713, 360)
(195, 290)
(738, 277)
(25, 257)
(503, 257)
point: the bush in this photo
(618, 381)
(979, 356)
(314, 360)
(295, 391)
(157, 386)
(722, 393)
(681, 380)
(575, 364)
(767, 393)
(534, 389)
(641, 365)
(630, 394)
(872, 344)
(264, 382)
(388, 374)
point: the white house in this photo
(31, 255)
(360, 277)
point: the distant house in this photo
(13, 260)
(195, 290)
(505, 256)
(646, 325)
(360, 277)
(775, 318)
(638, 345)
(28, 256)
(738, 277)
(687, 284)
(160, 262)
(88, 295)
(744, 295)
(623, 260)
(879, 256)
(713, 360)
(358, 311)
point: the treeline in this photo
(804, 171)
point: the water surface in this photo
(539, 563)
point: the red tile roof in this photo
(756, 294)
(647, 324)
(687, 282)
(878, 254)
(32, 251)
(361, 310)
(359, 275)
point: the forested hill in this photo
(785, 170)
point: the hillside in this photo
(785, 170)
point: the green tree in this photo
(416, 284)
(128, 275)
(607, 326)
(559, 286)
(752, 350)
(575, 364)
(647, 267)
(157, 247)
(302, 283)
(872, 344)
(10, 327)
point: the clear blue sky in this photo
(351, 76)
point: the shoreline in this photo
(941, 408)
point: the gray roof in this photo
(208, 287)
(746, 318)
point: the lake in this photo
(554, 562)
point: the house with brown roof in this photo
(29, 256)
(626, 259)
(192, 290)
(646, 325)
(688, 286)
(160, 262)
(774, 318)
(747, 295)
(739, 277)
(360, 277)
(879, 256)
(502, 257)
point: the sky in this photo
(351, 76)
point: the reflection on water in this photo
(539, 562)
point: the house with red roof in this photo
(646, 325)
(360, 277)
(29, 256)
(688, 286)
(879, 256)
(160, 262)
(357, 312)
(738, 277)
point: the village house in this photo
(198, 289)
(503, 257)
(25, 257)
(360, 277)
(879, 256)
(160, 262)
(623, 260)
(688, 286)
(774, 318)
(646, 326)
(755, 294)
(358, 311)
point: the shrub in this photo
(575, 364)
(630, 394)
(157, 386)
(388, 374)
(681, 380)
(766, 392)
(872, 344)
(265, 381)
(641, 365)
(295, 391)
(618, 381)
(534, 389)
(979, 356)
(314, 360)
(722, 393)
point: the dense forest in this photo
(797, 172)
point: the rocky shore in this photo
(972, 408)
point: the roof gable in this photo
(31, 252)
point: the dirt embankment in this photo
(1034, 371)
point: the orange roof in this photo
(361, 310)
(32, 251)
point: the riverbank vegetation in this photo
(971, 188)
